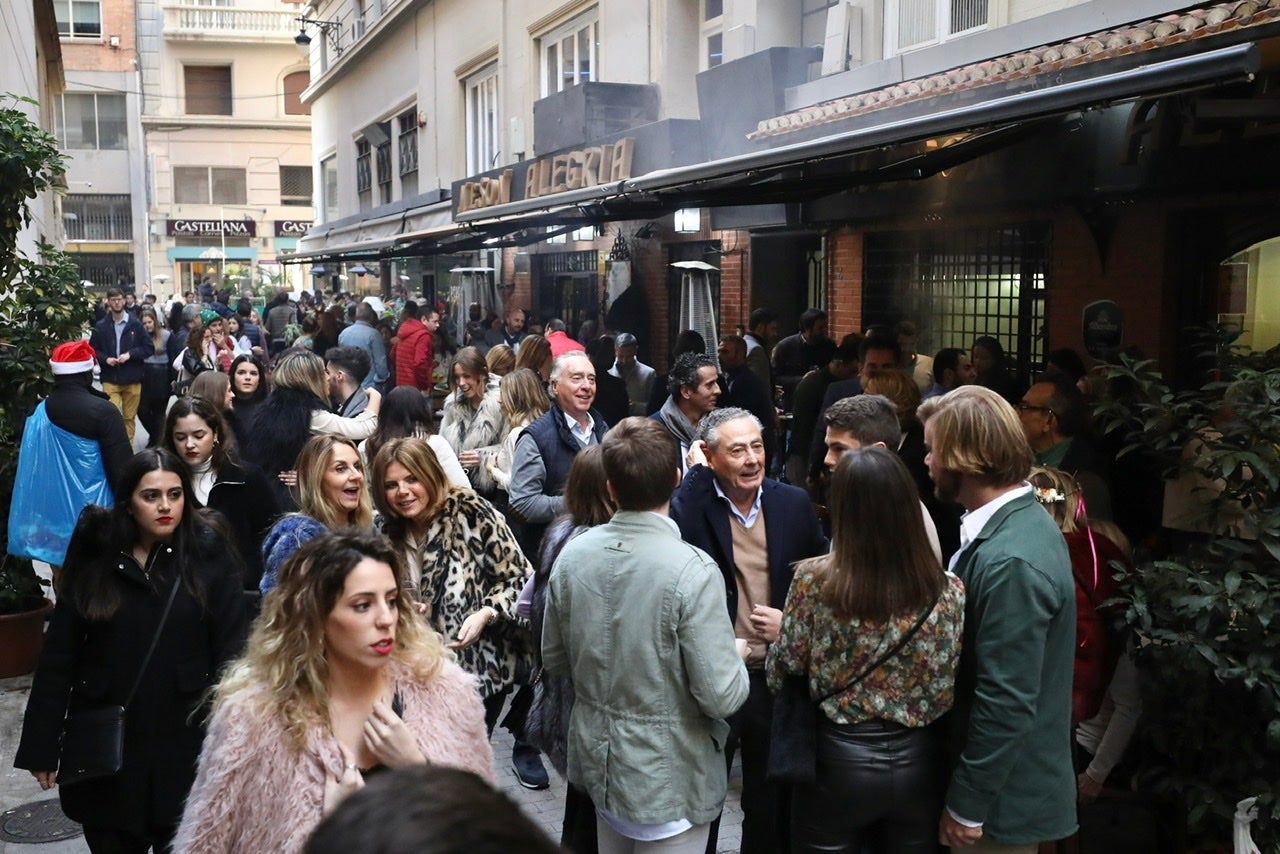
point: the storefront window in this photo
(959, 285)
(1249, 295)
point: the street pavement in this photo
(546, 807)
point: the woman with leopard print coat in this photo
(464, 562)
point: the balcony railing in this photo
(226, 23)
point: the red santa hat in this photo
(74, 357)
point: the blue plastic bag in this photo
(59, 474)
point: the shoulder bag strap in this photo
(155, 639)
(902, 641)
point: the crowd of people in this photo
(341, 587)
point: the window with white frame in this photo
(329, 184)
(91, 121)
(913, 24)
(711, 33)
(570, 54)
(78, 19)
(482, 120)
(208, 185)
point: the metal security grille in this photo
(105, 269)
(98, 217)
(959, 285)
(364, 167)
(295, 185)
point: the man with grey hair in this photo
(860, 422)
(362, 334)
(638, 376)
(540, 466)
(545, 450)
(755, 528)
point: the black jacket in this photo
(792, 531)
(86, 664)
(134, 340)
(75, 406)
(244, 497)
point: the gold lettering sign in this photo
(555, 173)
(485, 192)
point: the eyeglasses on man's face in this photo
(1028, 406)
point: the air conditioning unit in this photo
(357, 29)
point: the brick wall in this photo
(87, 55)
(844, 282)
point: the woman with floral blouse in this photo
(880, 773)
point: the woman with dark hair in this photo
(474, 425)
(297, 409)
(155, 377)
(193, 360)
(342, 679)
(406, 413)
(196, 431)
(122, 566)
(587, 505)
(249, 385)
(993, 369)
(873, 629)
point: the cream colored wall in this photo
(1021, 10)
(1263, 329)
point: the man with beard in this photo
(1012, 784)
(755, 529)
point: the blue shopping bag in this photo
(59, 474)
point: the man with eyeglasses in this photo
(1054, 419)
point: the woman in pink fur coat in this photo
(342, 678)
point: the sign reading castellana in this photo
(554, 173)
(211, 228)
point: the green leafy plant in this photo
(1209, 615)
(43, 302)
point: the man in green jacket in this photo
(1012, 784)
(636, 617)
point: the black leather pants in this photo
(879, 789)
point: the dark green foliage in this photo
(1209, 615)
(42, 303)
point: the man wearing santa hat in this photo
(77, 407)
(71, 427)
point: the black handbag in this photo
(793, 730)
(93, 739)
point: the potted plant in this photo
(1208, 614)
(42, 303)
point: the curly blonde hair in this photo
(284, 668)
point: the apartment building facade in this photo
(1036, 171)
(98, 126)
(228, 145)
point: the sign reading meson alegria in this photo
(211, 228)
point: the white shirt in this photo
(972, 522)
(584, 435)
(750, 518)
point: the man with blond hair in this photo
(1012, 785)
